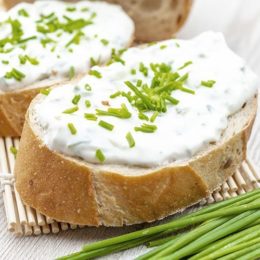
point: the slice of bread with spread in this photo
(149, 135)
(49, 42)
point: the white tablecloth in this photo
(239, 20)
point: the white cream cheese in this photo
(76, 33)
(181, 132)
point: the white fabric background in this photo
(239, 20)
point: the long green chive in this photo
(130, 140)
(209, 83)
(116, 112)
(87, 103)
(154, 116)
(106, 125)
(71, 73)
(76, 99)
(185, 65)
(90, 116)
(16, 74)
(95, 73)
(13, 150)
(45, 91)
(100, 156)
(70, 110)
(72, 128)
(146, 128)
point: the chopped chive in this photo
(16, 74)
(106, 125)
(185, 65)
(133, 71)
(143, 69)
(95, 73)
(187, 90)
(71, 9)
(93, 62)
(143, 116)
(23, 12)
(72, 128)
(105, 42)
(76, 99)
(90, 116)
(118, 93)
(130, 140)
(84, 9)
(87, 103)
(70, 110)
(121, 112)
(163, 47)
(13, 150)
(88, 87)
(146, 128)
(100, 156)
(5, 62)
(177, 44)
(45, 91)
(71, 72)
(154, 116)
(139, 83)
(208, 83)
(25, 58)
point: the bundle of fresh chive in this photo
(226, 230)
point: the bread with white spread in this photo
(151, 134)
(50, 42)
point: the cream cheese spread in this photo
(152, 106)
(52, 39)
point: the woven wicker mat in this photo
(23, 220)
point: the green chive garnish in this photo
(89, 116)
(146, 128)
(154, 116)
(5, 62)
(23, 12)
(25, 58)
(121, 112)
(72, 128)
(185, 65)
(105, 42)
(133, 71)
(130, 140)
(208, 83)
(70, 110)
(16, 74)
(45, 91)
(88, 87)
(13, 150)
(143, 116)
(163, 47)
(87, 103)
(95, 73)
(106, 125)
(71, 72)
(100, 156)
(76, 99)
(118, 93)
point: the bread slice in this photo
(72, 190)
(15, 102)
(156, 20)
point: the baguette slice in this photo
(14, 103)
(71, 190)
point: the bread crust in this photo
(71, 190)
(14, 104)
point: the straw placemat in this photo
(24, 220)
